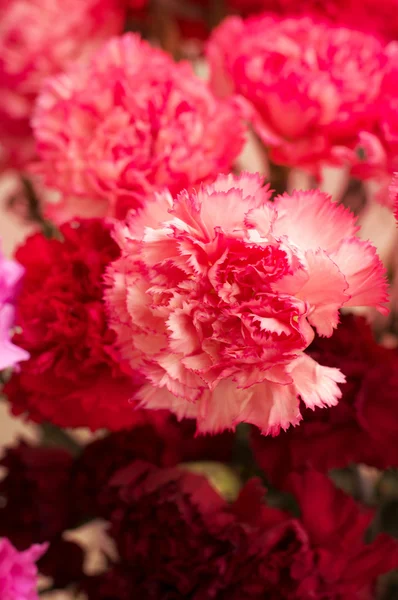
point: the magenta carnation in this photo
(313, 86)
(10, 276)
(217, 292)
(131, 122)
(39, 38)
(18, 573)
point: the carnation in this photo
(129, 122)
(11, 274)
(244, 550)
(162, 442)
(313, 86)
(18, 573)
(375, 155)
(360, 429)
(39, 38)
(72, 377)
(218, 292)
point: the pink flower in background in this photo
(313, 86)
(131, 122)
(217, 294)
(39, 38)
(377, 150)
(10, 276)
(18, 573)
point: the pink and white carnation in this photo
(18, 572)
(39, 38)
(130, 122)
(218, 293)
(313, 86)
(10, 277)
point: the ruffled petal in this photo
(311, 220)
(316, 384)
(364, 272)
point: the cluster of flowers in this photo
(175, 535)
(176, 295)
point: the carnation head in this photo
(71, 378)
(40, 38)
(131, 121)
(218, 292)
(313, 85)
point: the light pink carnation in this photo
(217, 294)
(313, 86)
(39, 38)
(131, 122)
(18, 572)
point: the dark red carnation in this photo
(377, 407)
(177, 538)
(73, 377)
(35, 501)
(336, 527)
(343, 434)
(63, 562)
(164, 442)
(36, 506)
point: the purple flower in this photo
(10, 277)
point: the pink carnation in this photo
(10, 276)
(313, 86)
(377, 151)
(217, 294)
(39, 38)
(131, 122)
(18, 573)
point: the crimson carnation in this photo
(245, 550)
(72, 378)
(132, 121)
(313, 86)
(39, 38)
(361, 428)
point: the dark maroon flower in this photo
(343, 434)
(177, 538)
(165, 442)
(63, 562)
(73, 377)
(35, 494)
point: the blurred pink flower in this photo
(131, 122)
(216, 295)
(313, 86)
(10, 276)
(18, 573)
(39, 38)
(377, 151)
